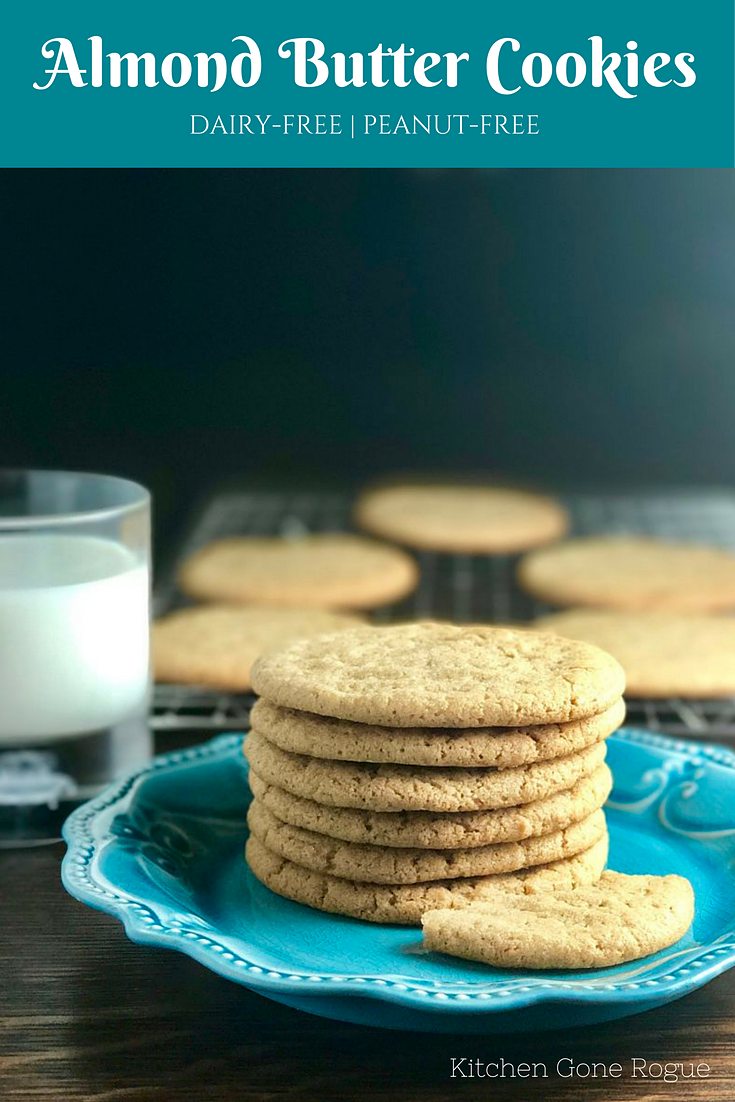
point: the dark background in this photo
(184, 326)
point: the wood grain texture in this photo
(85, 1014)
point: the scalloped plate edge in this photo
(142, 924)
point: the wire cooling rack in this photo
(462, 588)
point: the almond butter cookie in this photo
(436, 830)
(663, 653)
(326, 570)
(496, 747)
(391, 865)
(403, 904)
(416, 788)
(469, 519)
(442, 675)
(632, 572)
(216, 645)
(620, 918)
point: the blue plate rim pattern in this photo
(143, 925)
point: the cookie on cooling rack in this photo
(325, 570)
(216, 645)
(663, 654)
(633, 573)
(473, 519)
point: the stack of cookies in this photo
(426, 765)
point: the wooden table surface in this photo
(85, 1014)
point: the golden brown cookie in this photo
(441, 675)
(403, 904)
(497, 747)
(327, 570)
(619, 918)
(470, 519)
(391, 865)
(632, 572)
(216, 645)
(437, 830)
(416, 788)
(663, 653)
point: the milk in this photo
(73, 637)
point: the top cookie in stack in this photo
(424, 765)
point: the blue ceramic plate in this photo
(163, 852)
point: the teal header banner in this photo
(410, 83)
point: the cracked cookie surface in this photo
(416, 788)
(403, 904)
(435, 830)
(497, 747)
(442, 675)
(388, 865)
(620, 918)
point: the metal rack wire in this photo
(463, 588)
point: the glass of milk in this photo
(74, 643)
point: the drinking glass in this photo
(74, 643)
